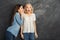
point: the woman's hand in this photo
(36, 35)
(22, 36)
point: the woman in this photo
(28, 31)
(13, 30)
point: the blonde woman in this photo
(28, 31)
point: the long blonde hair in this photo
(32, 9)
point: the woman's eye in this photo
(29, 7)
(21, 8)
(26, 7)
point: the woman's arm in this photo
(18, 19)
(34, 18)
(35, 27)
(22, 29)
(36, 35)
(22, 32)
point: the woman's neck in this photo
(29, 14)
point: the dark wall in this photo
(47, 13)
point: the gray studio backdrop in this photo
(47, 13)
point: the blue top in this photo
(15, 27)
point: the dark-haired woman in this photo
(13, 30)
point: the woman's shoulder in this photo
(33, 14)
(17, 13)
(23, 14)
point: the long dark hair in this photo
(15, 9)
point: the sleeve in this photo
(18, 18)
(34, 17)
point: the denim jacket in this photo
(16, 24)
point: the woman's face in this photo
(21, 10)
(28, 8)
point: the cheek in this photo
(26, 9)
(19, 10)
(22, 10)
